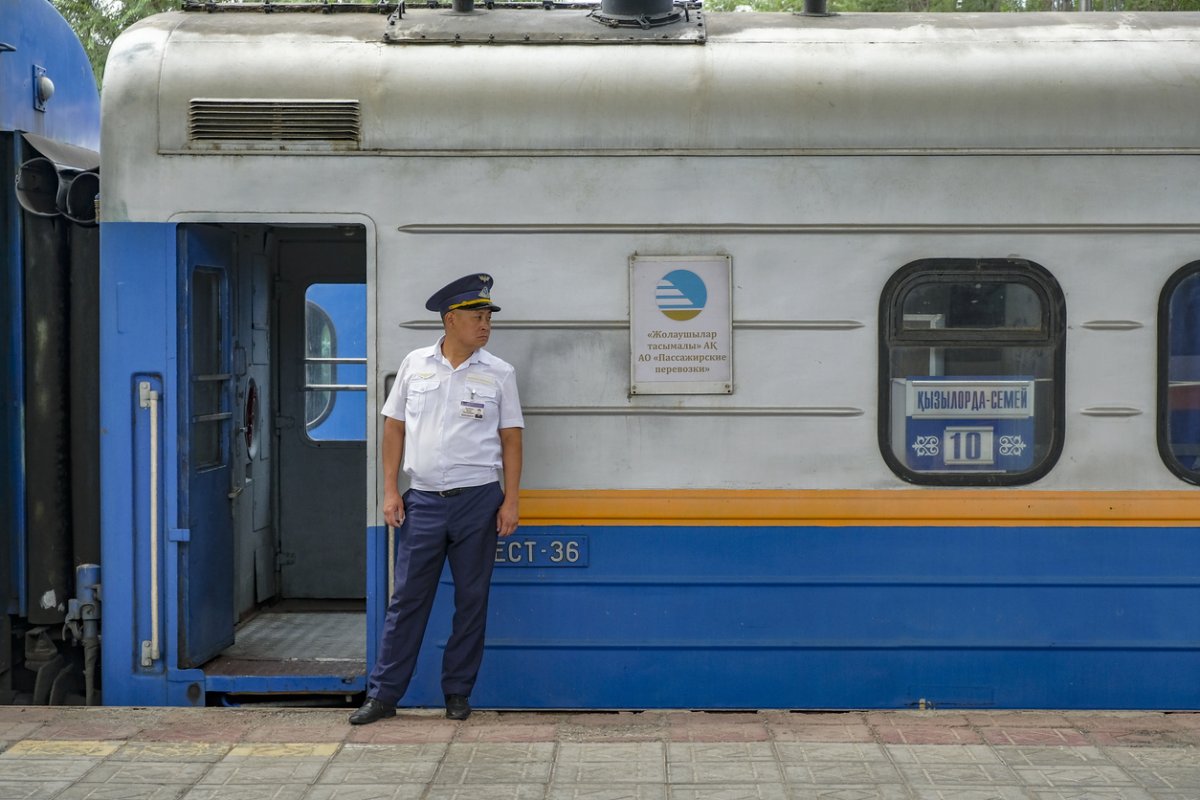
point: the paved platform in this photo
(289, 754)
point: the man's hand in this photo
(393, 508)
(507, 518)
(393, 449)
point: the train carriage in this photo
(857, 351)
(49, 273)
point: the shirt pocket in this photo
(414, 401)
(485, 396)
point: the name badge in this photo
(471, 410)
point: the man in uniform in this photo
(454, 416)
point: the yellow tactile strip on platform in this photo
(275, 750)
(39, 748)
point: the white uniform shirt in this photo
(452, 417)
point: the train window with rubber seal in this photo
(971, 362)
(1179, 373)
(335, 362)
(209, 379)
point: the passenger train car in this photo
(858, 353)
(49, 438)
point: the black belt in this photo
(450, 492)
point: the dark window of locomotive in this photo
(1179, 373)
(971, 372)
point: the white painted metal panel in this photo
(551, 166)
(760, 82)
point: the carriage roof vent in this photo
(215, 119)
(638, 13)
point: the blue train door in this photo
(206, 539)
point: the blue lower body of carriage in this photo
(661, 617)
(838, 618)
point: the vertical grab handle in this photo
(148, 398)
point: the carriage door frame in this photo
(205, 535)
(321, 467)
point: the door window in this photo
(209, 382)
(335, 362)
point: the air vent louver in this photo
(273, 120)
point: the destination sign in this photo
(970, 398)
(969, 424)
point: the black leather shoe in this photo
(457, 706)
(372, 711)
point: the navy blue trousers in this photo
(462, 529)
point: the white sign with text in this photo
(681, 325)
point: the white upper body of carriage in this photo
(820, 154)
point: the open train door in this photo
(270, 540)
(322, 421)
(206, 570)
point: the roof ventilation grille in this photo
(274, 120)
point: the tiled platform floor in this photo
(281, 754)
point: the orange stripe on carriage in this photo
(904, 507)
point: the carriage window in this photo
(208, 381)
(971, 358)
(1010, 306)
(335, 359)
(1179, 373)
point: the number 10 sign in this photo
(969, 424)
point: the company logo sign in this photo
(681, 294)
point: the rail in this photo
(148, 399)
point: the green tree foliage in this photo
(99, 22)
